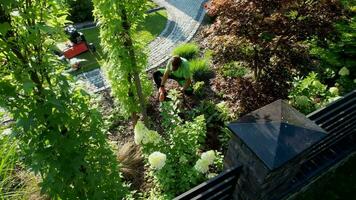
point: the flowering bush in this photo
(337, 54)
(173, 160)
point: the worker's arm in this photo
(161, 88)
(164, 78)
(166, 73)
(187, 83)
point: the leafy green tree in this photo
(59, 134)
(125, 54)
(80, 10)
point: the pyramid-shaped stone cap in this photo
(277, 133)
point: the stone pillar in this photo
(257, 181)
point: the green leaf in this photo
(28, 86)
(4, 28)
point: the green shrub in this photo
(187, 51)
(234, 70)
(217, 116)
(198, 88)
(338, 55)
(182, 145)
(200, 69)
(309, 94)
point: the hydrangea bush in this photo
(176, 163)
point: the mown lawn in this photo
(147, 31)
(337, 185)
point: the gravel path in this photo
(184, 19)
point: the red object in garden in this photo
(75, 50)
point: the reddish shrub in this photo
(270, 37)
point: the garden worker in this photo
(177, 69)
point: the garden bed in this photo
(239, 63)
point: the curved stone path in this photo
(184, 19)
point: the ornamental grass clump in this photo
(200, 69)
(187, 51)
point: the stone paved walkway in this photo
(184, 19)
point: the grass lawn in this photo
(147, 31)
(337, 185)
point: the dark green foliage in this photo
(309, 94)
(187, 51)
(217, 116)
(234, 70)
(181, 144)
(333, 55)
(80, 10)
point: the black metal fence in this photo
(218, 188)
(338, 119)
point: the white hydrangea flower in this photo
(274, 60)
(344, 71)
(6, 132)
(157, 160)
(151, 137)
(145, 136)
(140, 130)
(334, 91)
(202, 166)
(209, 156)
(334, 99)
